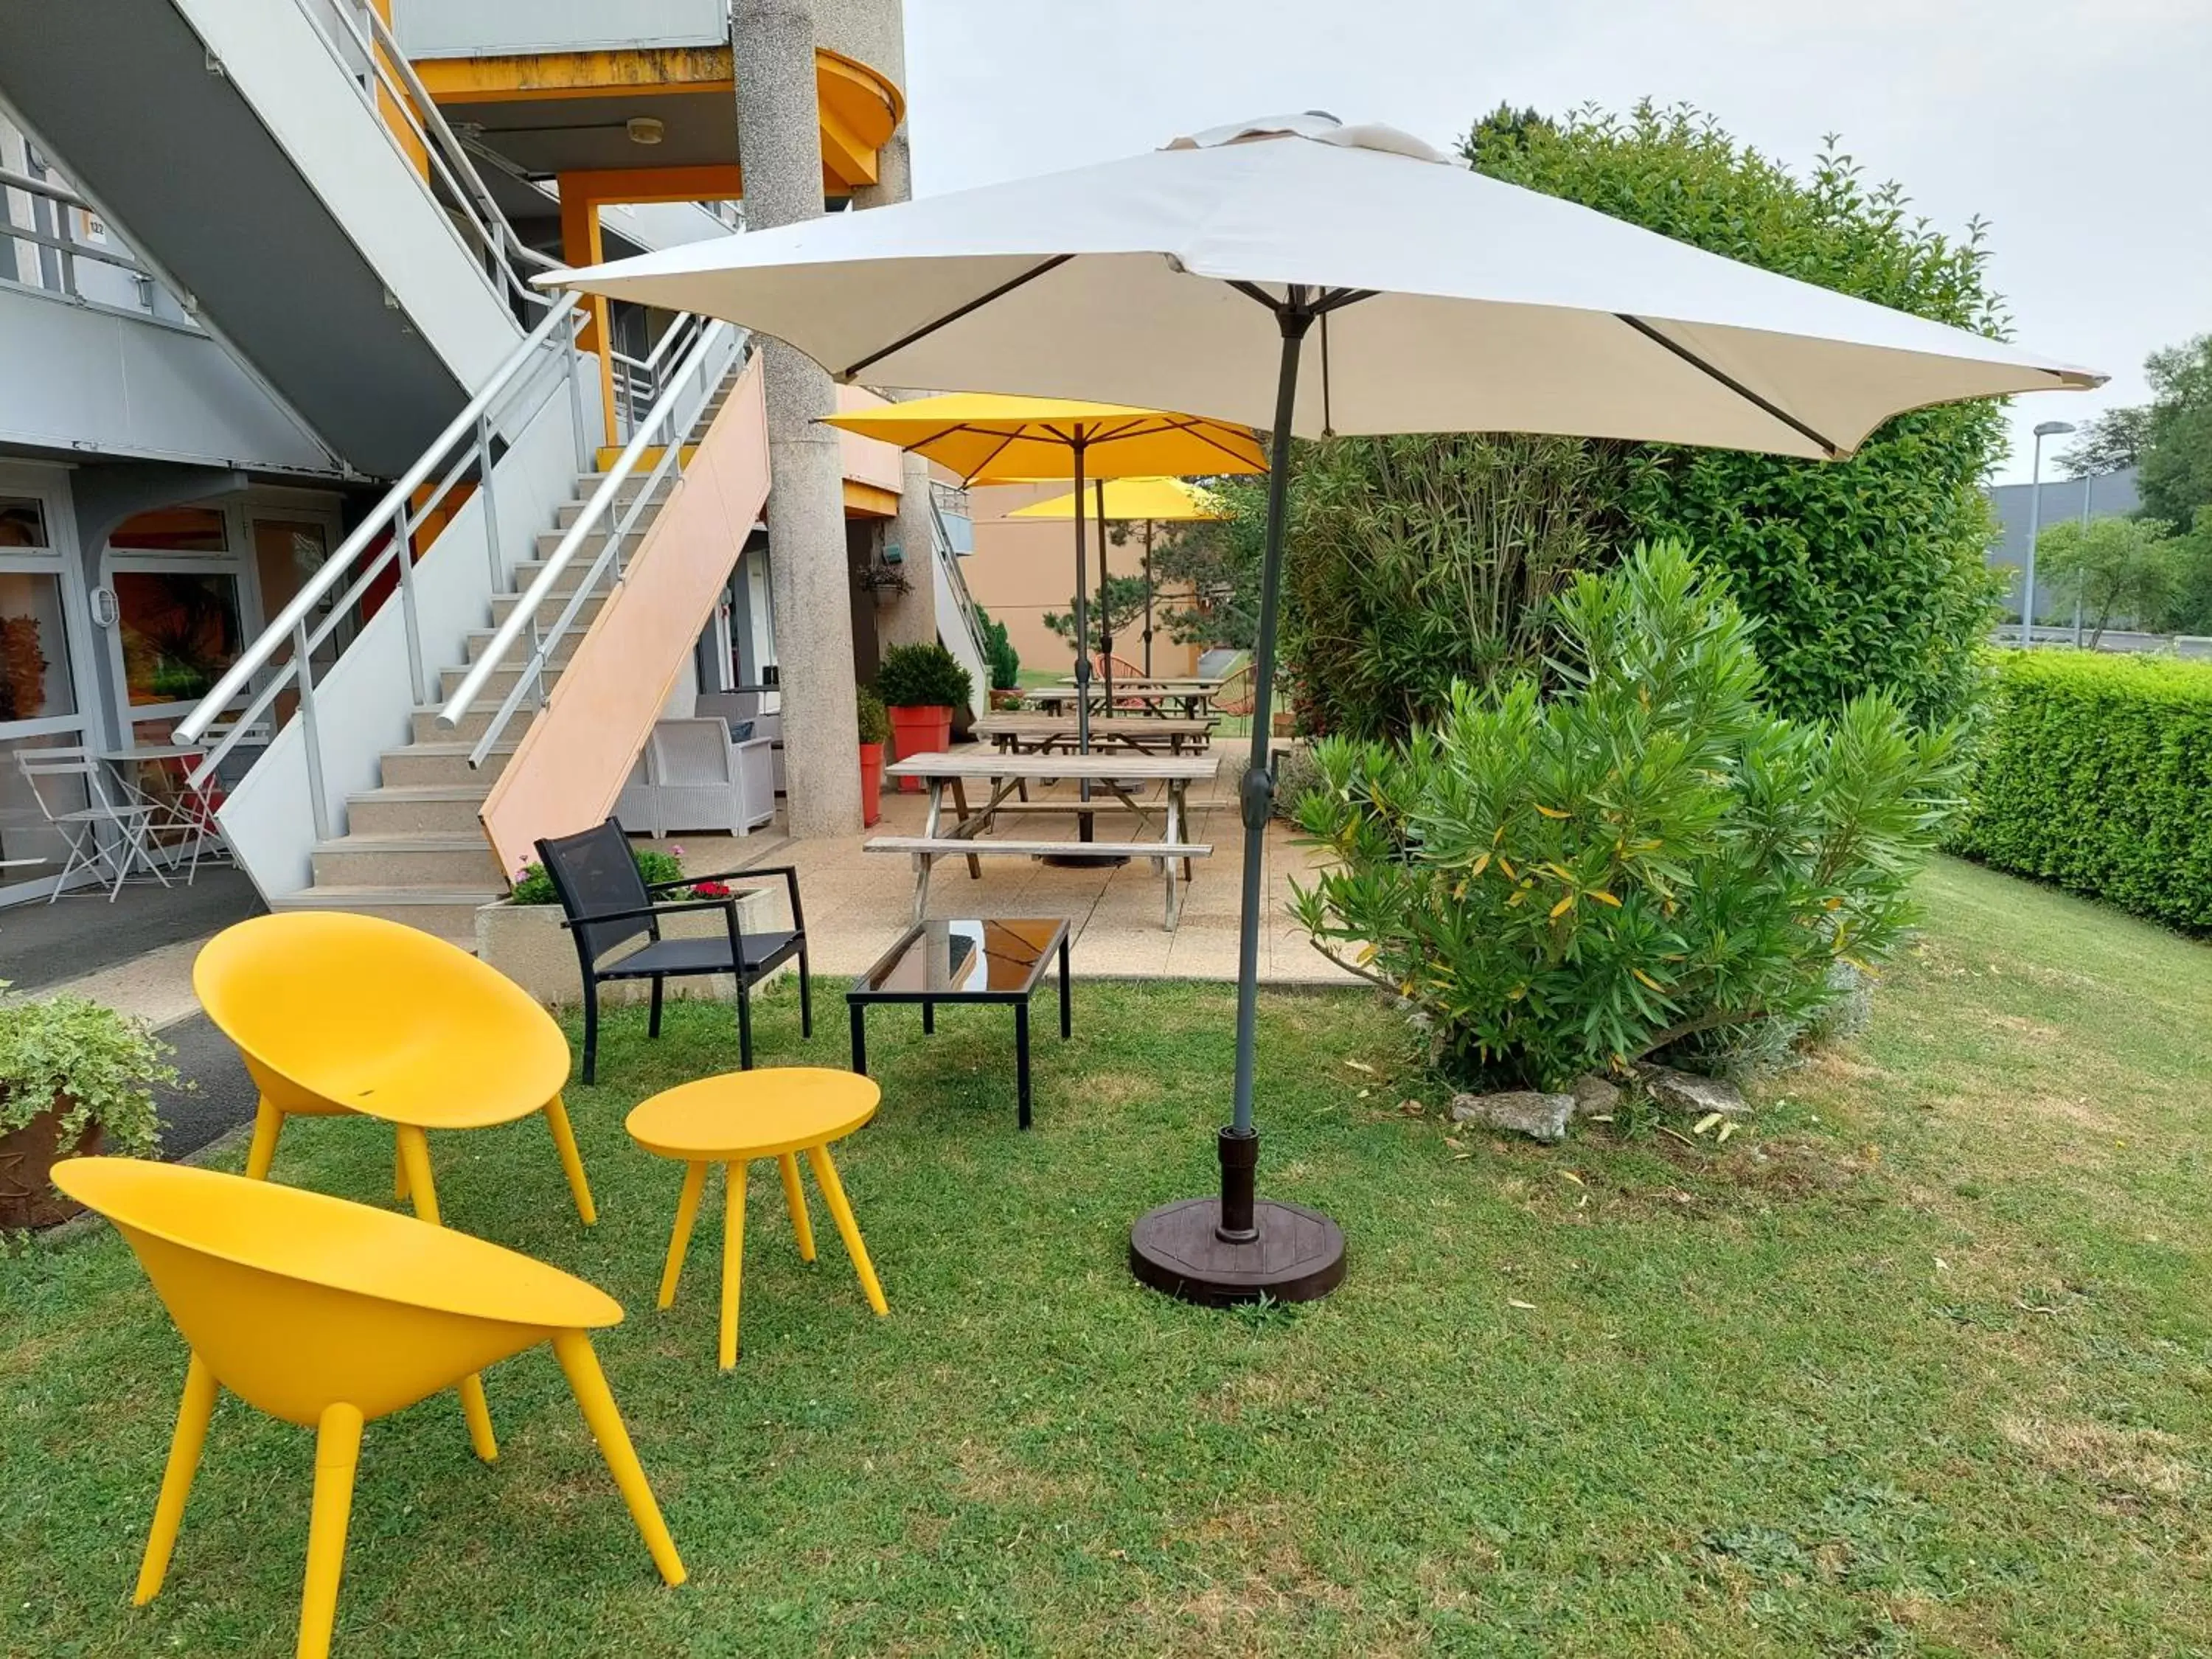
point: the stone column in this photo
(913, 619)
(780, 147)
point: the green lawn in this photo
(1917, 1367)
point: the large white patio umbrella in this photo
(1193, 276)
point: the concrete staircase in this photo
(414, 849)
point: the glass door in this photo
(180, 606)
(39, 705)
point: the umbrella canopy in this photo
(1148, 500)
(1015, 438)
(1128, 501)
(1485, 307)
(981, 435)
(1320, 278)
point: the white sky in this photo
(2080, 129)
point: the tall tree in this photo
(2176, 475)
(2126, 568)
(2110, 442)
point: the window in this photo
(22, 523)
(180, 630)
(34, 659)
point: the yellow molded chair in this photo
(330, 1315)
(344, 1013)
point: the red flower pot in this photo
(926, 731)
(872, 783)
(28, 1156)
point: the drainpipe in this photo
(780, 147)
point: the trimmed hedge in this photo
(2096, 773)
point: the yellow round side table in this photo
(777, 1112)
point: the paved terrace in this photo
(857, 902)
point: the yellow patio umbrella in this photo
(1003, 439)
(1129, 501)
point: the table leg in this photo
(1022, 1061)
(960, 804)
(794, 1199)
(733, 1255)
(687, 1217)
(833, 1190)
(859, 1039)
(929, 1020)
(1066, 1028)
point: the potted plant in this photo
(875, 732)
(1003, 660)
(76, 1080)
(920, 685)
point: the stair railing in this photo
(687, 389)
(639, 381)
(531, 373)
(948, 559)
(461, 186)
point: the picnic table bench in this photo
(1044, 733)
(964, 833)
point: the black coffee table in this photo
(975, 960)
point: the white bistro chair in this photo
(107, 836)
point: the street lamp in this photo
(2043, 430)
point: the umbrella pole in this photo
(1238, 1247)
(1082, 642)
(1148, 598)
(1105, 596)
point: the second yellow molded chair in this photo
(338, 1013)
(330, 1315)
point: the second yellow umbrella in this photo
(1130, 500)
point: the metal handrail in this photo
(381, 539)
(639, 380)
(389, 68)
(524, 615)
(940, 542)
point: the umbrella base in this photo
(1297, 1256)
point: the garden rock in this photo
(1593, 1096)
(1687, 1092)
(1520, 1111)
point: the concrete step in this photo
(480, 638)
(503, 677)
(406, 809)
(421, 764)
(502, 604)
(449, 912)
(526, 572)
(588, 549)
(422, 858)
(476, 720)
(648, 458)
(631, 487)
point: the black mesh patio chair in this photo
(606, 904)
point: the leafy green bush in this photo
(1426, 560)
(2095, 772)
(1647, 859)
(106, 1063)
(923, 677)
(1866, 575)
(533, 886)
(999, 657)
(875, 724)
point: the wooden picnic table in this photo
(1195, 699)
(1044, 733)
(962, 832)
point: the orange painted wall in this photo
(1020, 570)
(570, 765)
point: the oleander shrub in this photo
(1645, 859)
(2094, 772)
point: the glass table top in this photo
(1001, 956)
